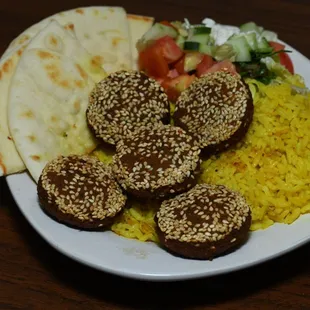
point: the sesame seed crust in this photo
(81, 192)
(123, 101)
(157, 162)
(204, 222)
(216, 109)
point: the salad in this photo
(175, 53)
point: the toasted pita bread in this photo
(10, 162)
(138, 26)
(82, 21)
(77, 22)
(48, 98)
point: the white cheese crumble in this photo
(220, 33)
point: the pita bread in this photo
(48, 98)
(76, 22)
(82, 21)
(138, 26)
(102, 30)
(10, 162)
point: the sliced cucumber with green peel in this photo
(251, 26)
(200, 38)
(224, 51)
(241, 47)
(206, 49)
(263, 45)
(251, 37)
(191, 46)
(157, 31)
(199, 30)
(180, 41)
(270, 35)
(192, 60)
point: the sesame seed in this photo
(213, 107)
(136, 165)
(86, 201)
(179, 220)
(124, 101)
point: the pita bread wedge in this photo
(77, 22)
(138, 26)
(10, 162)
(48, 98)
(74, 19)
(102, 30)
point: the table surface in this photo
(35, 276)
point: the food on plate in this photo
(138, 25)
(268, 167)
(175, 53)
(107, 33)
(102, 30)
(48, 99)
(147, 99)
(81, 192)
(203, 223)
(156, 162)
(137, 221)
(271, 166)
(217, 109)
(124, 101)
(10, 161)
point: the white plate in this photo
(110, 253)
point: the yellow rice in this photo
(270, 167)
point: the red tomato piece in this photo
(284, 58)
(206, 63)
(276, 45)
(286, 61)
(179, 66)
(174, 87)
(224, 65)
(153, 62)
(169, 49)
(173, 73)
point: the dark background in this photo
(35, 276)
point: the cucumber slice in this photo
(263, 45)
(251, 37)
(251, 26)
(191, 61)
(191, 46)
(270, 35)
(206, 49)
(200, 38)
(224, 51)
(241, 47)
(157, 31)
(200, 30)
(180, 41)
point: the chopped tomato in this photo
(173, 73)
(284, 58)
(172, 94)
(174, 87)
(169, 49)
(276, 46)
(286, 61)
(206, 63)
(224, 65)
(153, 62)
(179, 66)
